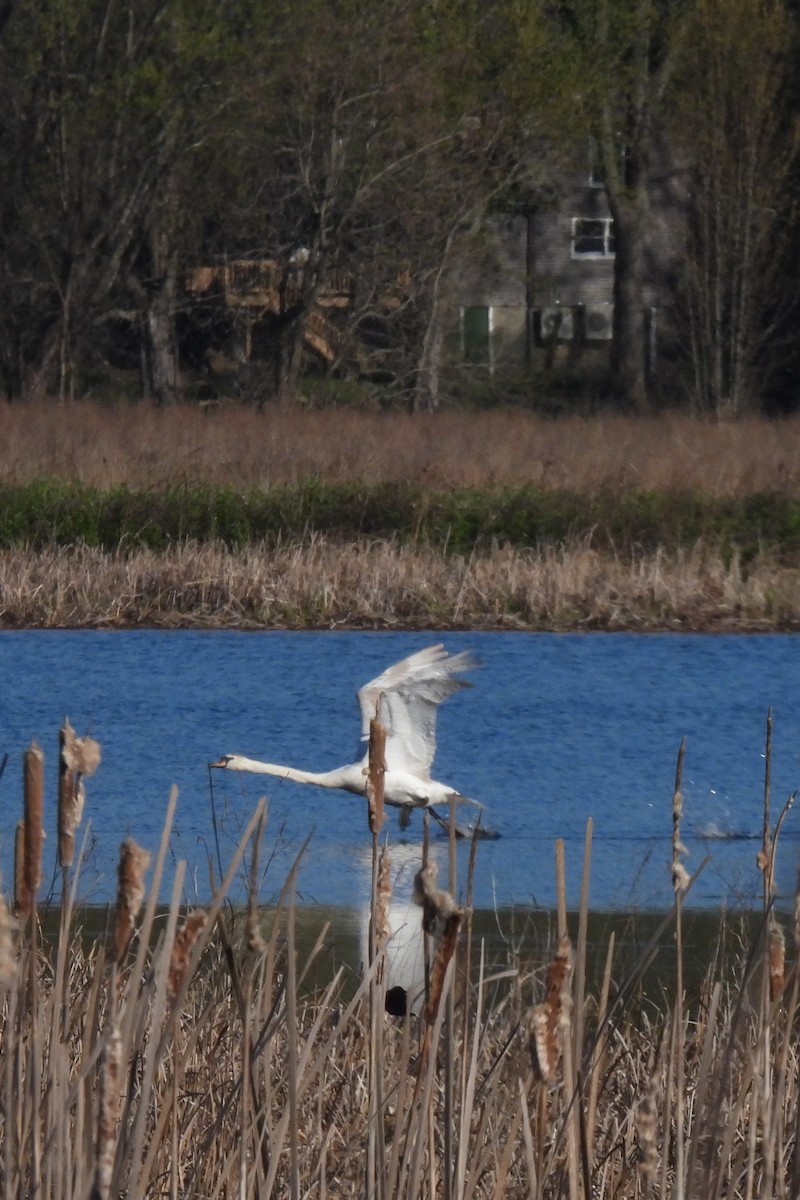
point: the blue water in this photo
(557, 729)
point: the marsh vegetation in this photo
(311, 519)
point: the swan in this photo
(406, 697)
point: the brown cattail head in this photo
(776, 949)
(182, 947)
(133, 862)
(78, 757)
(436, 902)
(447, 948)
(33, 782)
(253, 937)
(376, 774)
(550, 1019)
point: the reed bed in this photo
(185, 1055)
(380, 584)
(143, 447)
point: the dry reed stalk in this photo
(647, 1123)
(78, 757)
(108, 1114)
(765, 859)
(8, 946)
(376, 773)
(383, 928)
(549, 1022)
(29, 844)
(133, 862)
(252, 929)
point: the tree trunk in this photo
(163, 371)
(289, 360)
(629, 344)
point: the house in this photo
(536, 287)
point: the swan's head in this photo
(225, 761)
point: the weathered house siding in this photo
(546, 276)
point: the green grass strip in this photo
(46, 513)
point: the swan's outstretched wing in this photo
(409, 693)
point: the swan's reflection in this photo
(404, 969)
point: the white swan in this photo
(406, 696)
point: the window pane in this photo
(593, 237)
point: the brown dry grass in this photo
(144, 447)
(385, 585)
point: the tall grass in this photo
(187, 1057)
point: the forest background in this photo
(368, 141)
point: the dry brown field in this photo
(145, 447)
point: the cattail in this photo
(34, 835)
(383, 929)
(550, 1019)
(776, 948)
(108, 1114)
(680, 876)
(447, 948)
(436, 902)
(182, 947)
(8, 955)
(133, 862)
(376, 774)
(78, 757)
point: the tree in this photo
(733, 121)
(102, 104)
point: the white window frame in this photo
(608, 234)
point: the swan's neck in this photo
(350, 778)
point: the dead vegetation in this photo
(138, 445)
(393, 585)
(183, 1058)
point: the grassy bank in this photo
(191, 1053)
